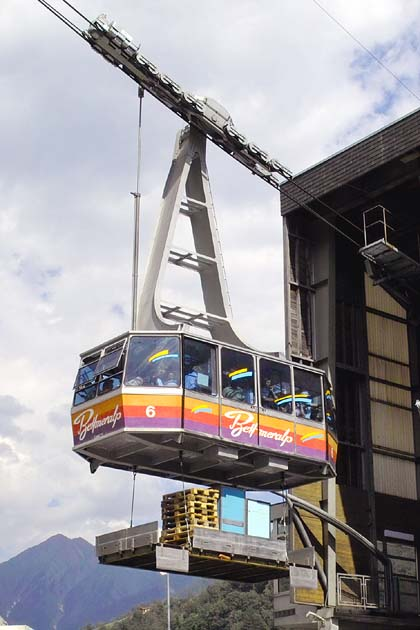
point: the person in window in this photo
(191, 378)
(108, 385)
(135, 381)
(234, 392)
(303, 407)
(267, 394)
(276, 387)
(171, 380)
(157, 378)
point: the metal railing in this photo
(376, 224)
(356, 591)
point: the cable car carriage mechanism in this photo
(180, 395)
(184, 407)
(205, 409)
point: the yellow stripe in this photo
(311, 434)
(241, 371)
(158, 354)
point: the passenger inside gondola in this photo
(199, 367)
(238, 376)
(152, 362)
(276, 389)
(308, 396)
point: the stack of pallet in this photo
(181, 511)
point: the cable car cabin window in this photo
(238, 381)
(153, 362)
(199, 367)
(85, 375)
(110, 358)
(276, 386)
(108, 383)
(308, 396)
(83, 395)
(329, 408)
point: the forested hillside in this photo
(221, 606)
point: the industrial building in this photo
(352, 301)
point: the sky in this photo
(293, 82)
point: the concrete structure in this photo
(352, 284)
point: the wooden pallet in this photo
(177, 526)
(191, 518)
(181, 513)
(204, 492)
(196, 505)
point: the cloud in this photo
(7, 453)
(10, 410)
(10, 407)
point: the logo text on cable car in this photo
(242, 422)
(245, 422)
(89, 422)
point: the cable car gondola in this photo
(184, 407)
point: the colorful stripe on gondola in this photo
(163, 354)
(239, 425)
(98, 419)
(310, 441)
(283, 400)
(277, 433)
(152, 411)
(201, 416)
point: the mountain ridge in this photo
(59, 585)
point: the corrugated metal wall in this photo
(380, 300)
(392, 428)
(388, 371)
(394, 476)
(390, 393)
(387, 338)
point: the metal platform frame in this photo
(212, 553)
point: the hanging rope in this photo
(132, 497)
(187, 519)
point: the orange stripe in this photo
(162, 412)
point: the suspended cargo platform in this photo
(209, 553)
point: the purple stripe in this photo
(317, 453)
(244, 438)
(190, 425)
(142, 422)
(276, 445)
(100, 432)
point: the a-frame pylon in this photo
(187, 192)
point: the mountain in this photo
(59, 585)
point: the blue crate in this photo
(232, 510)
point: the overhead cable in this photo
(208, 116)
(366, 49)
(62, 17)
(77, 11)
(307, 207)
(293, 181)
